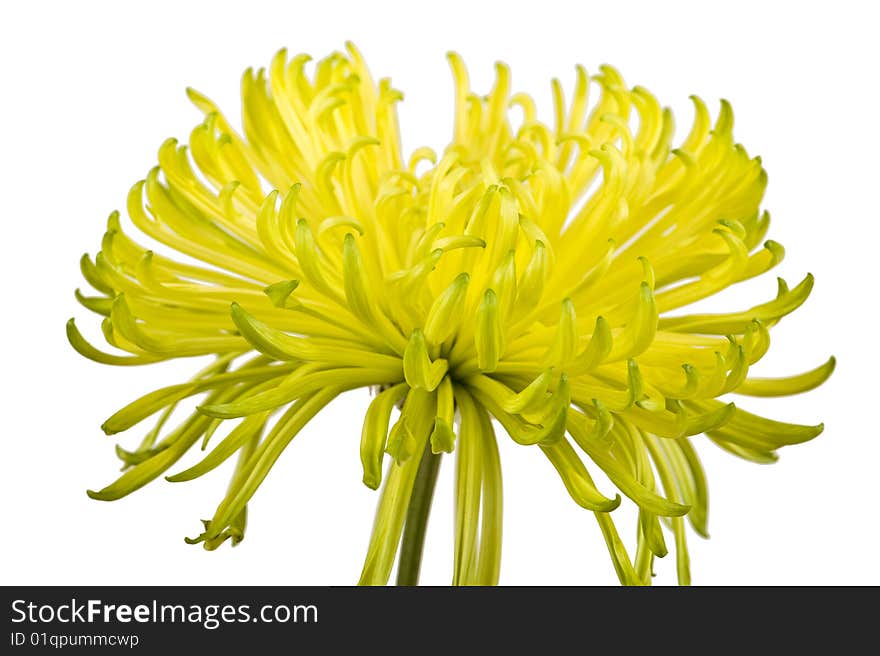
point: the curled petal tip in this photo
(612, 504)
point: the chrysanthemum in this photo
(533, 276)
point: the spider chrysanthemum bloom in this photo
(527, 277)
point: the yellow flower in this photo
(533, 276)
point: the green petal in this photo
(576, 479)
(790, 385)
(419, 370)
(375, 432)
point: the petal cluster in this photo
(533, 277)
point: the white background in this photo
(90, 90)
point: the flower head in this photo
(534, 275)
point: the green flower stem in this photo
(417, 518)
